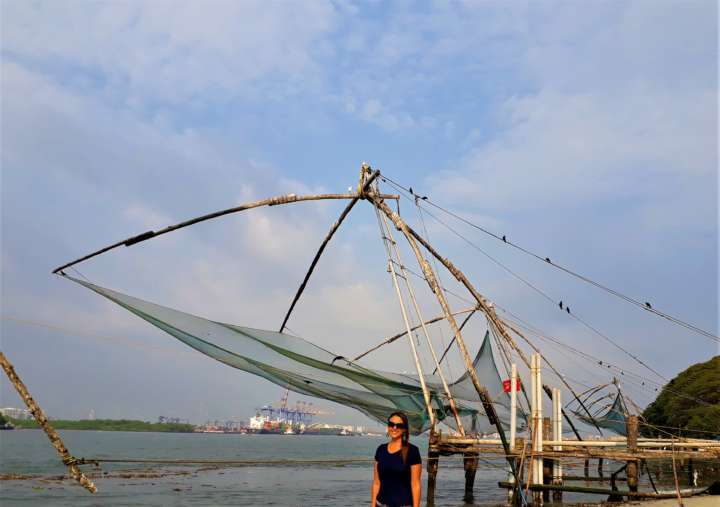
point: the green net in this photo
(307, 369)
(612, 417)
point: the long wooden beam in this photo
(430, 278)
(335, 226)
(43, 422)
(271, 201)
(400, 335)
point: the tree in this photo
(689, 405)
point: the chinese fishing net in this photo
(307, 369)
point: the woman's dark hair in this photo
(405, 438)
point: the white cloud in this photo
(168, 51)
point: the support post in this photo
(513, 405)
(433, 462)
(537, 425)
(470, 463)
(547, 464)
(557, 436)
(42, 420)
(632, 447)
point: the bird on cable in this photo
(648, 305)
(338, 357)
(560, 305)
(410, 189)
(424, 198)
(547, 259)
(567, 309)
(504, 238)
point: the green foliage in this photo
(3, 420)
(689, 405)
(109, 425)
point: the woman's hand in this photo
(415, 474)
(375, 487)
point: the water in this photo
(28, 452)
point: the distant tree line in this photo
(108, 425)
(689, 405)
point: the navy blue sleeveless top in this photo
(394, 476)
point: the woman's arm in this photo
(375, 487)
(415, 474)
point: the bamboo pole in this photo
(418, 367)
(271, 201)
(42, 420)
(462, 325)
(482, 302)
(430, 278)
(435, 287)
(400, 335)
(411, 292)
(675, 476)
(335, 226)
(598, 491)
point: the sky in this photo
(585, 132)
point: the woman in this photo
(396, 482)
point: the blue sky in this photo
(584, 131)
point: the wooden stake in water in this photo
(42, 420)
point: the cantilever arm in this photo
(272, 201)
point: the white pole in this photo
(558, 436)
(556, 430)
(533, 414)
(513, 405)
(538, 397)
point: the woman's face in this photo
(396, 427)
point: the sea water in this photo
(28, 453)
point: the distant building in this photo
(16, 413)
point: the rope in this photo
(645, 306)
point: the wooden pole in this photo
(42, 420)
(430, 278)
(411, 292)
(400, 335)
(271, 201)
(557, 436)
(433, 462)
(418, 366)
(675, 476)
(547, 463)
(335, 226)
(632, 447)
(470, 463)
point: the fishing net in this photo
(307, 369)
(613, 419)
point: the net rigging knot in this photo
(71, 460)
